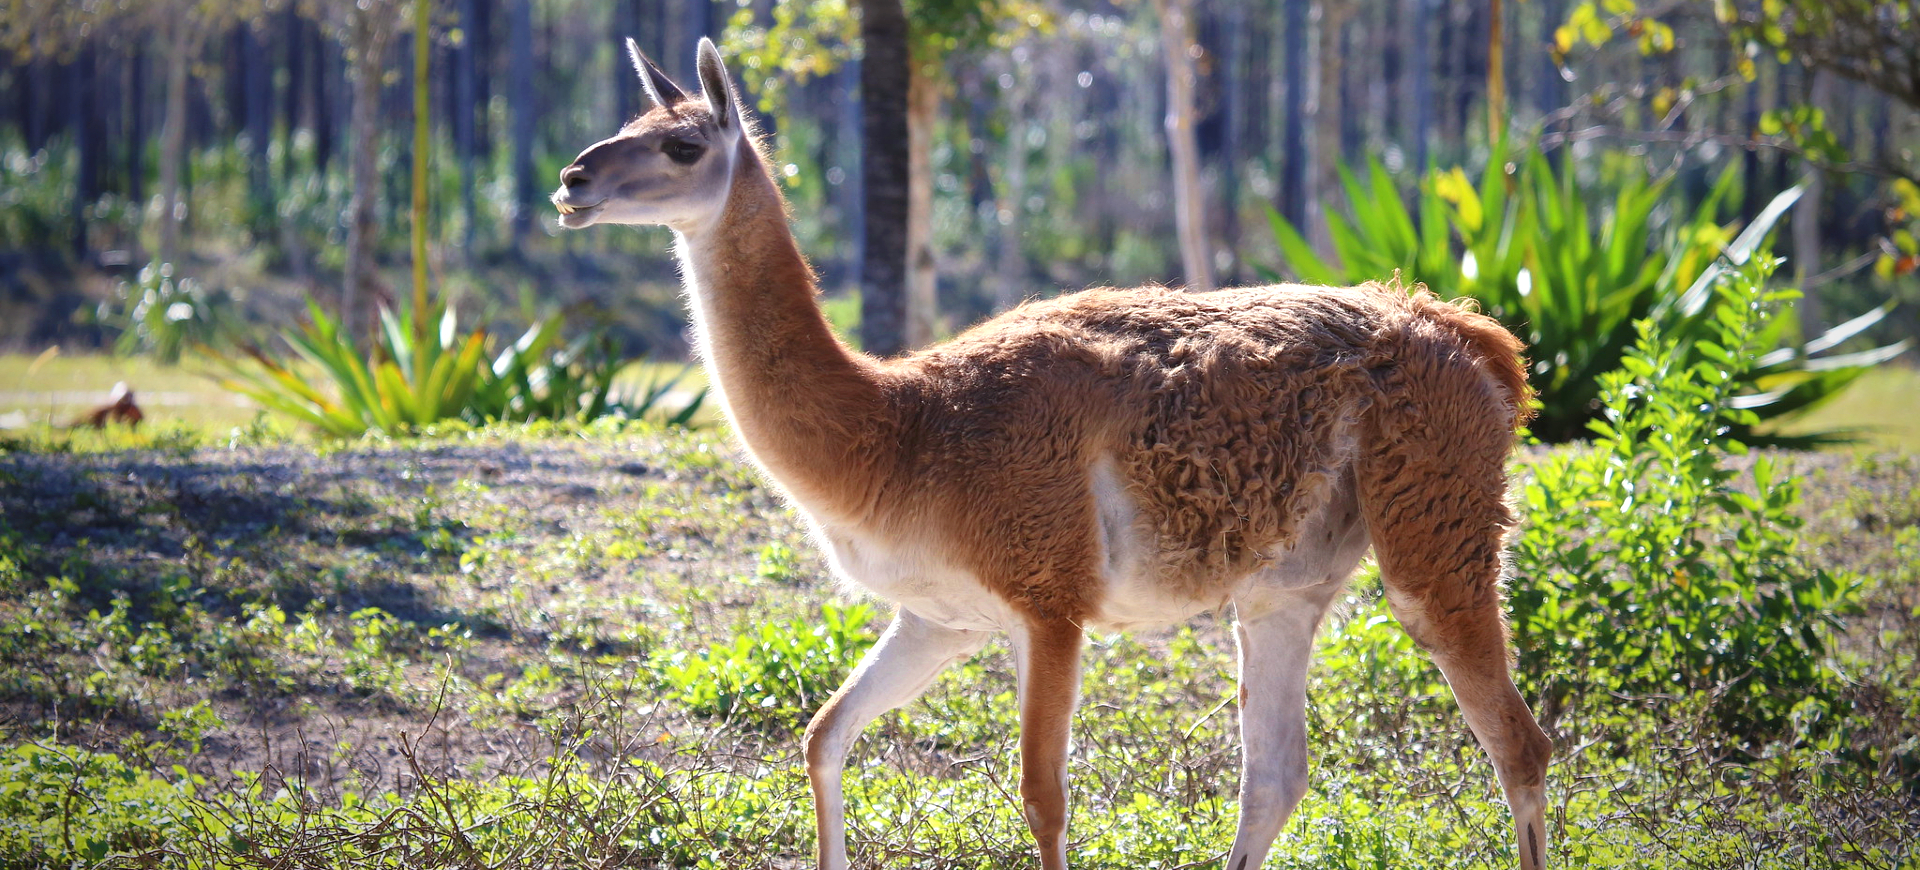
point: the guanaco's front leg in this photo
(1276, 647)
(896, 670)
(1048, 658)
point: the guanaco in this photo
(1110, 458)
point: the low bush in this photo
(1652, 566)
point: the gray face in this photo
(672, 166)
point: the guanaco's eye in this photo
(681, 151)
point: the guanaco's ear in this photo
(718, 88)
(657, 85)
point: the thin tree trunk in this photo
(1329, 107)
(371, 27)
(83, 103)
(1189, 209)
(464, 99)
(293, 31)
(1010, 286)
(1420, 79)
(173, 140)
(258, 88)
(885, 171)
(1806, 221)
(422, 144)
(137, 130)
(520, 53)
(1235, 76)
(1496, 73)
(1293, 148)
(923, 302)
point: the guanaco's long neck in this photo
(809, 408)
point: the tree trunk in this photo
(464, 99)
(1293, 147)
(520, 54)
(1806, 221)
(258, 88)
(173, 139)
(1010, 286)
(1420, 79)
(83, 103)
(1328, 106)
(923, 302)
(422, 145)
(1189, 209)
(1235, 77)
(1496, 74)
(136, 142)
(370, 30)
(885, 171)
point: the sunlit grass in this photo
(53, 389)
(47, 392)
(1883, 408)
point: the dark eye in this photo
(681, 151)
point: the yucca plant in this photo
(412, 377)
(408, 378)
(1571, 272)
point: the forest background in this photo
(1051, 145)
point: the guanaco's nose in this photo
(574, 176)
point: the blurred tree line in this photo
(263, 145)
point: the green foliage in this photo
(1574, 279)
(1652, 566)
(413, 378)
(36, 196)
(162, 316)
(772, 677)
(813, 37)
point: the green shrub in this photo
(1572, 272)
(161, 316)
(775, 676)
(1651, 567)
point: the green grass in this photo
(561, 646)
(52, 390)
(1883, 407)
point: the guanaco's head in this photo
(673, 165)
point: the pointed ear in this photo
(718, 88)
(658, 86)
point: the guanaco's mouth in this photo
(574, 216)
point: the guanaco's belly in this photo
(914, 577)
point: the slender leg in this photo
(896, 670)
(1048, 657)
(1433, 487)
(1276, 647)
(1469, 646)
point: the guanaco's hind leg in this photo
(1047, 655)
(896, 670)
(1437, 513)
